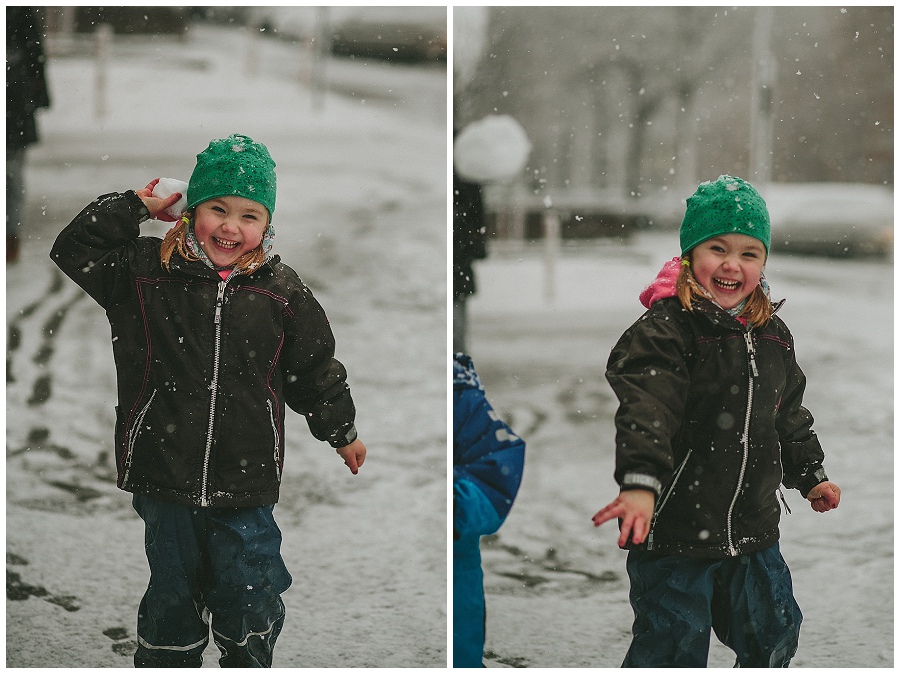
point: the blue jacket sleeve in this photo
(488, 457)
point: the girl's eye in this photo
(718, 249)
(250, 216)
(218, 209)
(750, 254)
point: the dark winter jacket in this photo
(26, 85)
(711, 419)
(204, 366)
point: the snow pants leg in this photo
(218, 565)
(748, 601)
(468, 603)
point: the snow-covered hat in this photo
(727, 205)
(234, 166)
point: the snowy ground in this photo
(557, 591)
(362, 216)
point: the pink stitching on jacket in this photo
(773, 338)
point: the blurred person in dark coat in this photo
(468, 245)
(26, 92)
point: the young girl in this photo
(212, 336)
(710, 424)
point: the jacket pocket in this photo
(132, 434)
(277, 438)
(662, 501)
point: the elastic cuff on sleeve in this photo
(137, 206)
(811, 480)
(346, 440)
(638, 481)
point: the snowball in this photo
(168, 186)
(494, 148)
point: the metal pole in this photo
(321, 50)
(551, 252)
(102, 40)
(253, 46)
(763, 83)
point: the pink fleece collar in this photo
(664, 284)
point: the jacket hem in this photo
(679, 549)
(215, 500)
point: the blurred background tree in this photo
(640, 99)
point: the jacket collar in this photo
(198, 269)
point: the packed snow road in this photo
(362, 217)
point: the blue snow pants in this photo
(748, 601)
(210, 565)
(468, 603)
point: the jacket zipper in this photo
(775, 309)
(663, 503)
(133, 434)
(745, 440)
(214, 390)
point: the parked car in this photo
(831, 219)
(400, 34)
(391, 33)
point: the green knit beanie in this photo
(726, 206)
(234, 166)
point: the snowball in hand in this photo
(167, 187)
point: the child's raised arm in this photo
(156, 206)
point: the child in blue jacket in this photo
(487, 469)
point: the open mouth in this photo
(725, 284)
(227, 245)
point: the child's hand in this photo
(635, 508)
(353, 455)
(156, 206)
(824, 496)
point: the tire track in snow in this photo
(37, 365)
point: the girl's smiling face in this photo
(228, 227)
(729, 267)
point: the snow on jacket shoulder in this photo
(711, 435)
(204, 367)
(488, 458)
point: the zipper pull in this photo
(786, 506)
(751, 351)
(219, 299)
